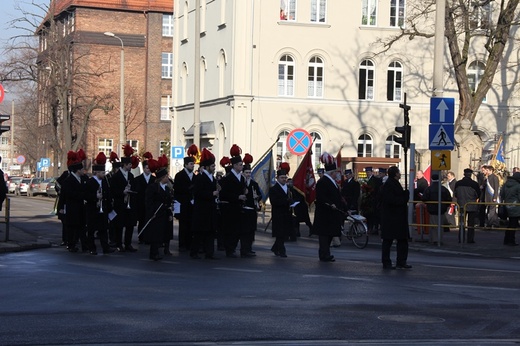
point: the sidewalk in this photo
(20, 240)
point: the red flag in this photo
(303, 179)
(338, 165)
(427, 173)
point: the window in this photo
(166, 102)
(4, 140)
(286, 76)
(185, 22)
(475, 73)
(397, 13)
(369, 8)
(221, 73)
(184, 82)
(105, 145)
(366, 80)
(394, 88)
(318, 10)
(316, 149)
(480, 16)
(364, 146)
(164, 148)
(392, 148)
(4, 166)
(288, 10)
(281, 147)
(167, 65)
(315, 78)
(133, 143)
(167, 25)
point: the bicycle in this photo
(356, 229)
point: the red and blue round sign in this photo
(299, 142)
(2, 93)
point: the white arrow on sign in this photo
(442, 108)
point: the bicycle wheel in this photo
(359, 235)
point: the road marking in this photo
(478, 287)
(239, 270)
(478, 269)
(336, 277)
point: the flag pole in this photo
(265, 154)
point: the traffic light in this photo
(4, 128)
(405, 132)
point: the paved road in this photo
(50, 296)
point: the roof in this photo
(122, 5)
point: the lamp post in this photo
(122, 136)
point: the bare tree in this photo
(468, 24)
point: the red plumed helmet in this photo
(101, 158)
(135, 161)
(162, 161)
(81, 155)
(248, 159)
(128, 150)
(327, 159)
(72, 157)
(153, 165)
(225, 161)
(148, 155)
(235, 150)
(113, 157)
(285, 166)
(193, 150)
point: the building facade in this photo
(270, 67)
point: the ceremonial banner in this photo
(263, 172)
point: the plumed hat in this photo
(328, 161)
(134, 159)
(225, 162)
(147, 156)
(286, 167)
(206, 158)
(128, 151)
(114, 159)
(153, 165)
(99, 162)
(235, 153)
(248, 159)
(73, 161)
(193, 153)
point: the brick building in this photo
(144, 30)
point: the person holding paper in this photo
(281, 200)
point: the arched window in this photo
(364, 146)
(366, 80)
(184, 82)
(316, 149)
(392, 148)
(394, 88)
(397, 13)
(221, 73)
(475, 73)
(286, 76)
(315, 77)
(281, 147)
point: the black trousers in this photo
(279, 246)
(402, 251)
(509, 237)
(324, 246)
(471, 220)
(205, 241)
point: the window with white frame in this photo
(480, 16)
(397, 13)
(133, 143)
(318, 11)
(288, 10)
(475, 73)
(392, 148)
(164, 148)
(364, 145)
(281, 147)
(286, 76)
(4, 140)
(369, 12)
(166, 103)
(315, 77)
(105, 145)
(167, 65)
(316, 149)
(366, 80)
(167, 25)
(394, 87)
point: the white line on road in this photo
(479, 269)
(336, 277)
(239, 270)
(478, 287)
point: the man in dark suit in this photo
(369, 206)
(205, 194)
(280, 197)
(328, 217)
(183, 193)
(421, 185)
(232, 199)
(141, 182)
(350, 191)
(121, 188)
(249, 213)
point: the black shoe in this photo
(247, 255)
(252, 252)
(120, 249)
(130, 248)
(167, 253)
(211, 257)
(283, 255)
(93, 253)
(156, 258)
(73, 249)
(231, 255)
(511, 244)
(107, 251)
(195, 256)
(403, 266)
(471, 242)
(63, 243)
(388, 266)
(328, 259)
(276, 253)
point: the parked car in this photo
(44, 184)
(35, 188)
(22, 188)
(13, 183)
(51, 188)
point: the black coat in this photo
(351, 190)
(183, 193)
(73, 193)
(95, 219)
(160, 228)
(431, 194)
(118, 184)
(140, 185)
(205, 205)
(231, 206)
(328, 221)
(394, 210)
(281, 214)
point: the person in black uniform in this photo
(350, 191)
(328, 217)
(116, 164)
(232, 199)
(158, 213)
(141, 183)
(124, 202)
(250, 210)
(369, 201)
(205, 194)
(281, 200)
(59, 207)
(183, 193)
(73, 207)
(3, 187)
(99, 204)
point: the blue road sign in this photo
(38, 166)
(46, 162)
(299, 141)
(442, 137)
(177, 152)
(442, 110)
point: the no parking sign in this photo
(299, 141)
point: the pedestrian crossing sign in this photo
(441, 160)
(441, 137)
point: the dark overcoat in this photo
(95, 219)
(160, 228)
(205, 205)
(140, 185)
(125, 217)
(231, 206)
(327, 221)
(394, 210)
(73, 192)
(351, 190)
(183, 193)
(281, 214)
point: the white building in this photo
(268, 67)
